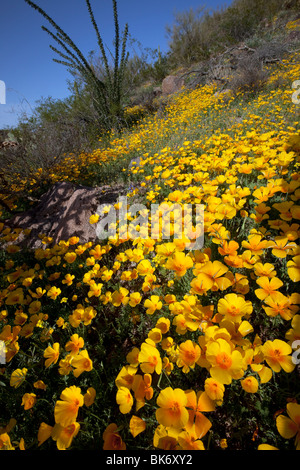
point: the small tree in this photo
(106, 94)
(186, 41)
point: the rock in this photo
(171, 84)
(63, 211)
(8, 144)
(135, 162)
(224, 93)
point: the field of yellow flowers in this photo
(142, 344)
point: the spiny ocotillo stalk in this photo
(106, 93)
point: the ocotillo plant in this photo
(106, 93)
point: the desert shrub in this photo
(144, 65)
(144, 69)
(54, 129)
(249, 77)
(197, 34)
(187, 42)
(271, 50)
(241, 18)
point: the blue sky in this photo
(26, 64)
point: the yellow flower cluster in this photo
(293, 25)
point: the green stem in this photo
(92, 414)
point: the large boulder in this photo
(62, 212)
(171, 84)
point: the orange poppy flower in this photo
(149, 358)
(74, 344)
(142, 389)
(250, 384)
(228, 248)
(289, 426)
(179, 263)
(201, 284)
(82, 362)
(64, 435)
(293, 268)
(51, 354)
(234, 307)
(188, 440)
(196, 404)
(266, 269)
(277, 355)
(212, 272)
(279, 304)
(28, 400)
(214, 389)
(188, 355)
(268, 286)
(112, 438)
(172, 408)
(225, 363)
(255, 244)
(124, 400)
(136, 425)
(281, 247)
(66, 409)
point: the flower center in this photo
(277, 353)
(223, 360)
(175, 407)
(190, 355)
(152, 360)
(234, 311)
(116, 441)
(70, 429)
